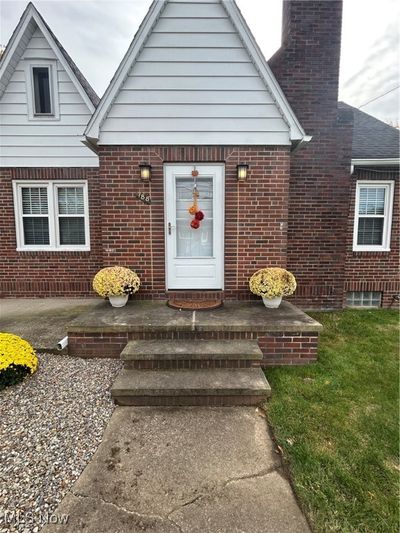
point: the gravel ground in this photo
(50, 426)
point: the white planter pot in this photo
(118, 301)
(272, 303)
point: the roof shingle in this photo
(372, 138)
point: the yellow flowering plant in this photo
(116, 281)
(17, 359)
(272, 282)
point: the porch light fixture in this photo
(242, 171)
(145, 172)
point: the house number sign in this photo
(145, 198)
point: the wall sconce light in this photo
(242, 171)
(145, 172)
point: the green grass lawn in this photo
(337, 423)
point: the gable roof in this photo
(372, 138)
(30, 19)
(156, 9)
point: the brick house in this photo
(88, 183)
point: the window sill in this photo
(44, 118)
(66, 249)
(371, 249)
(362, 306)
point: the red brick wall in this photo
(374, 271)
(307, 68)
(255, 211)
(127, 232)
(47, 273)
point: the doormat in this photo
(194, 304)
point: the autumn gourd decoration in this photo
(194, 208)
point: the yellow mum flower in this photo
(16, 351)
(115, 281)
(272, 282)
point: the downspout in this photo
(63, 343)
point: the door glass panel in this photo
(194, 242)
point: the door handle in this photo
(169, 228)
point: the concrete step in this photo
(173, 354)
(191, 387)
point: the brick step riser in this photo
(190, 364)
(189, 401)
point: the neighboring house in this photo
(194, 94)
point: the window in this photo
(51, 215)
(373, 216)
(35, 216)
(41, 90)
(363, 299)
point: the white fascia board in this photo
(393, 161)
(32, 13)
(297, 133)
(13, 43)
(93, 127)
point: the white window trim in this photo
(387, 216)
(52, 186)
(52, 66)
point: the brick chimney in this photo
(307, 68)
(307, 64)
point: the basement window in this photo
(363, 299)
(373, 216)
(51, 216)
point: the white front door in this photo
(194, 257)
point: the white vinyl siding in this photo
(194, 83)
(45, 141)
(51, 215)
(373, 216)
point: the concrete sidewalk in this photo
(41, 321)
(183, 470)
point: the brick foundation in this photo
(287, 348)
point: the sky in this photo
(97, 33)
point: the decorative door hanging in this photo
(194, 208)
